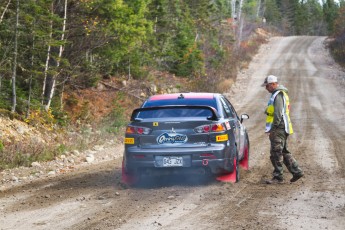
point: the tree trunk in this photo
(46, 68)
(239, 16)
(50, 87)
(240, 19)
(258, 9)
(240, 29)
(15, 54)
(30, 80)
(3, 13)
(233, 10)
(61, 96)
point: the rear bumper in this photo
(216, 159)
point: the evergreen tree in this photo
(330, 10)
(108, 33)
(316, 25)
(272, 13)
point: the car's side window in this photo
(231, 108)
(227, 109)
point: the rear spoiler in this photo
(215, 116)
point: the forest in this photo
(50, 46)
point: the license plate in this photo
(172, 161)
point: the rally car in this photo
(185, 133)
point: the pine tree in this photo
(330, 10)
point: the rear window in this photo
(174, 112)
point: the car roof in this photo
(199, 98)
(174, 96)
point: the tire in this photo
(237, 167)
(244, 163)
(247, 145)
(233, 175)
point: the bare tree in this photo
(258, 9)
(31, 75)
(48, 57)
(240, 19)
(49, 89)
(233, 9)
(15, 54)
(3, 13)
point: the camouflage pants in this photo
(280, 154)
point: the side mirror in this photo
(244, 117)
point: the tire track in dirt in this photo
(286, 204)
(252, 212)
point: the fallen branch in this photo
(123, 89)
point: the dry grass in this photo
(225, 85)
(23, 153)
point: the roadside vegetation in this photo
(337, 44)
(74, 69)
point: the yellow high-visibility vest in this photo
(286, 112)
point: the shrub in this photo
(337, 47)
(1, 146)
(41, 118)
(117, 117)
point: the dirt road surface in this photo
(92, 196)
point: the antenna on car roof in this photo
(181, 96)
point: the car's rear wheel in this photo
(236, 167)
(244, 163)
(234, 175)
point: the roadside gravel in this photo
(66, 163)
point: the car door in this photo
(229, 115)
(240, 128)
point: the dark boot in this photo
(275, 180)
(296, 177)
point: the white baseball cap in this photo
(270, 79)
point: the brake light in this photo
(218, 127)
(138, 130)
(206, 128)
(130, 130)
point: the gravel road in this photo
(91, 195)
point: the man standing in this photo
(279, 127)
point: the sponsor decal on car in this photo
(222, 138)
(171, 138)
(228, 127)
(129, 140)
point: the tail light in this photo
(138, 130)
(214, 128)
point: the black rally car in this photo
(185, 133)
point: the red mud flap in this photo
(126, 178)
(230, 177)
(244, 163)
